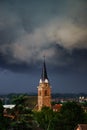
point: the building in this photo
(9, 106)
(81, 127)
(56, 107)
(44, 89)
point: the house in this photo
(81, 127)
(9, 106)
(56, 107)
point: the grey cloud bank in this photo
(55, 28)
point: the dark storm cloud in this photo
(30, 29)
(69, 61)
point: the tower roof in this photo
(44, 77)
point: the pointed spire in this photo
(44, 77)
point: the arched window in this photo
(46, 93)
(39, 93)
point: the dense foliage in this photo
(72, 114)
(69, 116)
(3, 121)
(26, 118)
(19, 118)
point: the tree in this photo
(1, 109)
(3, 121)
(1, 114)
(23, 115)
(72, 114)
(69, 116)
(45, 118)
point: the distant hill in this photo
(7, 98)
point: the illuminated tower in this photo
(44, 89)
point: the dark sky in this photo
(30, 29)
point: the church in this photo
(44, 89)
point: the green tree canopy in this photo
(1, 109)
(69, 116)
(72, 114)
(45, 118)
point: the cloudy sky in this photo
(30, 29)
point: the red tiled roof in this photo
(57, 107)
(82, 127)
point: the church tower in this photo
(44, 89)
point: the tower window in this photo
(39, 93)
(45, 92)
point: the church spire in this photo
(44, 77)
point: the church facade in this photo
(44, 89)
